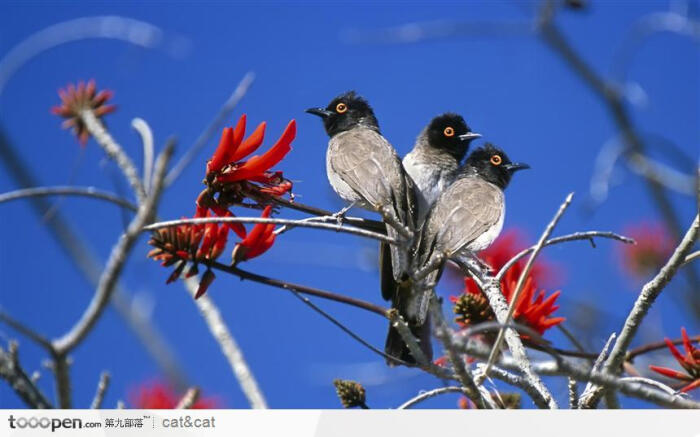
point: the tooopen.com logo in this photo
(44, 423)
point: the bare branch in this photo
(212, 129)
(429, 394)
(114, 151)
(289, 286)
(573, 394)
(277, 221)
(362, 223)
(91, 192)
(84, 259)
(125, 29)
(189, 399)
(596, 368)
(443, 332)
(646, 299)
(63, 345)
(146, 134)
(101, 391)
(521, 282)
(589, 235)
(229, 347)
(12, 372)
(398, 322)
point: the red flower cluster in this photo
(653, 247)
(690, 362)
(533, 309)
(159, 396)
(76, 99)
(229, 182)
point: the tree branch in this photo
(12, 372)
(91, 192)
(229, 347)
(646, 299)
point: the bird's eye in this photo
(496, 160)
(449, 131)
(341, 107)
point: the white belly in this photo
(429, 180)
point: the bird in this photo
(466, 218)
(436, 156)
(365, 170)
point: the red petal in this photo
(238, 134)
(671, 373)
(218, 160)
(251, 143)
(207, 278)
(692, 386)
(676, 354)
(258, 164)
(255, 236)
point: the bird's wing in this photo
(369, 165)
(465, 211)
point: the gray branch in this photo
(102, 386)
(646, 299)
(297, 223)
(91, 192)
(229, 347)
(12, 372)
(114, 151)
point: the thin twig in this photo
(588, 235)
(83, 257)
(289, 286)
(25, 330)
(430, 394)
(229, 347)
(443, 332)
(651, 382)
(277, 221)
(492, 290)
(114, 151)
(345, 329)
(213, 127)
(90, 192)
(16, 377)
(597, 365)
(101, 390)
(189, 399)
(646, 299)
(362, 223)
(405, 332)
(521, 282)
(146, 134)
(633, 353)
(573, 394)
(63, 345)
(568, 368)
(128, 30)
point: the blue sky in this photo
(510, 88)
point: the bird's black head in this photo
(345, 112)
(449, 132)
(493, 165)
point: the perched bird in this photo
(364, 169)
(466, 217)
(436, 157)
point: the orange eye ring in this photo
(341, 108)
(449, 131)
(496, 160)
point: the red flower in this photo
(230, 181)
(690, 362)
(159, 396)
(189, 243)
(257, 242)
(74, 100)
(233, 180)
(653, 247)
(532, 309)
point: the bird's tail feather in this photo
(396, 347)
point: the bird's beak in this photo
(321, 112)
(515, 166)
(469, 136)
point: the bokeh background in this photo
(508, 85)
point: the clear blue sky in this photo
(512, 89)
